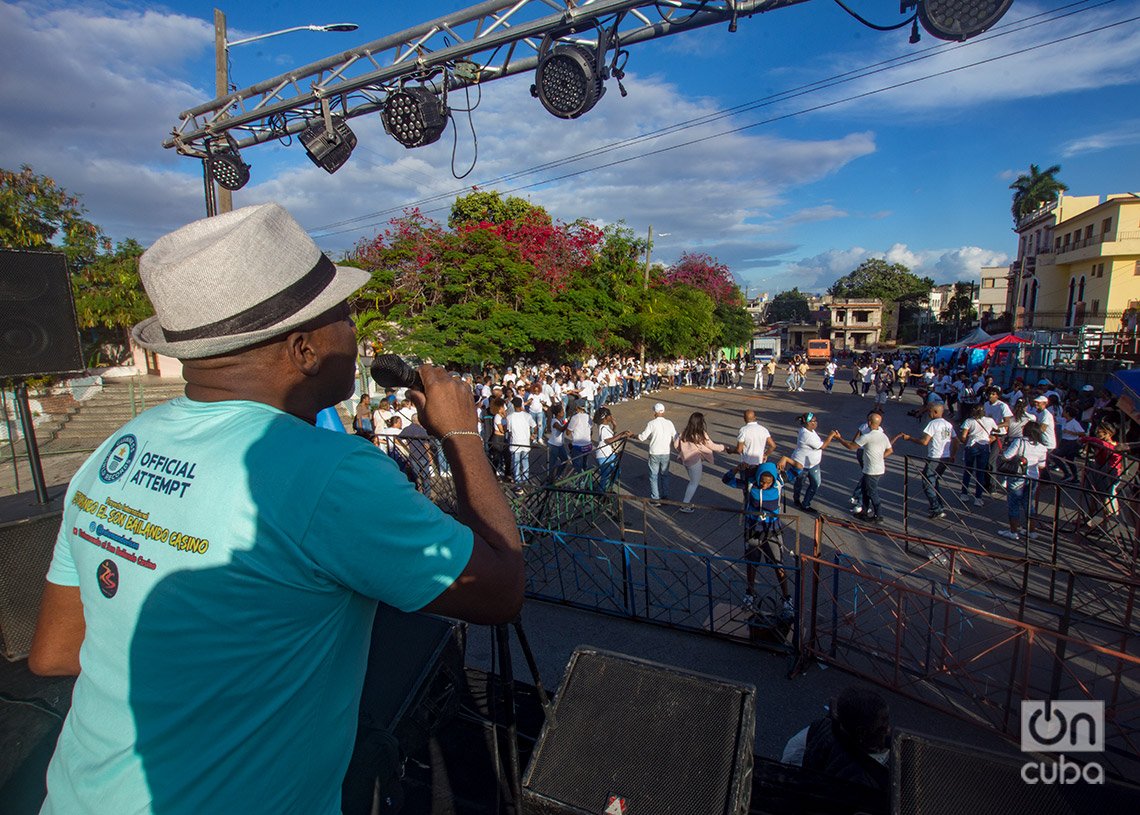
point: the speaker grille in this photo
(26, 548)
(637, 730)
(38, 333)
(940, 778)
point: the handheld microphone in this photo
(390, 371)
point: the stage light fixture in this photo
(225, 164)
(414, 116)
(568, 82)
(958, 20)
(328, 147)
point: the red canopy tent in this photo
(1001, 339)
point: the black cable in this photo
(869, 24)
(474, 136)
(782, 96)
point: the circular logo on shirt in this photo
(108, 574)
(119, 459)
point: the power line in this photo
(814, 87)
(782, 96)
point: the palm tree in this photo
(1034, 189)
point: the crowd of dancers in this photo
(1009, 438)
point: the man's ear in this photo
(303, 352)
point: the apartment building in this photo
(855, 324)
(993, 294)
(1088, 274)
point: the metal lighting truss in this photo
(487, 41)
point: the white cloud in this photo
(1098, 60)
(819, 271)
(98, 87)
(1124, 135)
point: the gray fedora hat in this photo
(224, 283)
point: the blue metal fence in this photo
(671, 586)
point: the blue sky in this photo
(917, 174)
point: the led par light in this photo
(567, 81)
(414, 116)
(225, 165)
(959, 20)
(328, 149)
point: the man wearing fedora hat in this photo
(214, 580)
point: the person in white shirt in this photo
(808, 456)
(875, 447)
(829, 371)
(578, 430)
(659, 432)
(1069, 444)
(1043, 417)
(941, 446)
(521, 431)
(976, 434)
(1019, 496)
(753, 444)
(999, 411)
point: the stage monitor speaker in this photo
(936, 777)
(411, 689)
(629, 736)
(26, 548)
(38, 331)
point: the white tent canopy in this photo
(975, 337)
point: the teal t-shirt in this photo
(229, 557)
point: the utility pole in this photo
(224, 197)
(645, 286)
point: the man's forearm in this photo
(482, 505)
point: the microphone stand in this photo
(500, 645)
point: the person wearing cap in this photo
(1043, 416)
(214, 581)
(659, 432)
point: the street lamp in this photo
(648, 248)
(222, 79)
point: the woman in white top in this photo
(975, 435)
(606, 451)
(557, 453)
(1020, 488)
(1017, 422)
(808, 456)
(695, 448)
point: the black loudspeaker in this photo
(629, 736)
(936, 777)
(26, 549)
(38, 332)
(411, 689)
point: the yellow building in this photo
(1085, 270)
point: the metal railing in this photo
(961, 659)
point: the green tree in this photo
(36, 213)
(489, 207)
(874, 278)
(791, 305)
(1032, 189)
(733, 326)
(109, 299)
